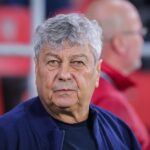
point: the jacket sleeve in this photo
(8, 139)
(130, 138)
(2, 140)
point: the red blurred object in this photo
(140, 96)
(14, 65)
(15, 24)
(85, 5)
(15, 28)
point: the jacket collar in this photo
(121, 82)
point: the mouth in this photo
(64, 90)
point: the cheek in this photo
(137, 45)
(88, 80)
(136, 52)
(44, 80)
(48, 80)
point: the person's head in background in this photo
(122, 33)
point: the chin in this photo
(138, 65)
(65, 103)
(135, 67)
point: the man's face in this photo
(134, 42)
(66, 77)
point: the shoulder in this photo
(117, 104)
(16, 115)
(106, 91)
(114, 128)
(14, 124)
(104, 114)
(108, 117)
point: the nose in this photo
(64, 72)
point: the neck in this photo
(120, 68)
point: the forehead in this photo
(133, 20)
(66, 50)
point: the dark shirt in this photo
(78, 136)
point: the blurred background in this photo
(18, 20)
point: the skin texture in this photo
(122, 29)
(66, 78)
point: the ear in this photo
(119, 44)
(98, 68)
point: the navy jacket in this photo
(30, 127)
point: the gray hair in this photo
(72, 28)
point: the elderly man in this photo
(67, 52)
(121, 54)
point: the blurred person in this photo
(143, 7)
(122, 42)
(67, 60)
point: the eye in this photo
(78, 63)
(53, 63)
